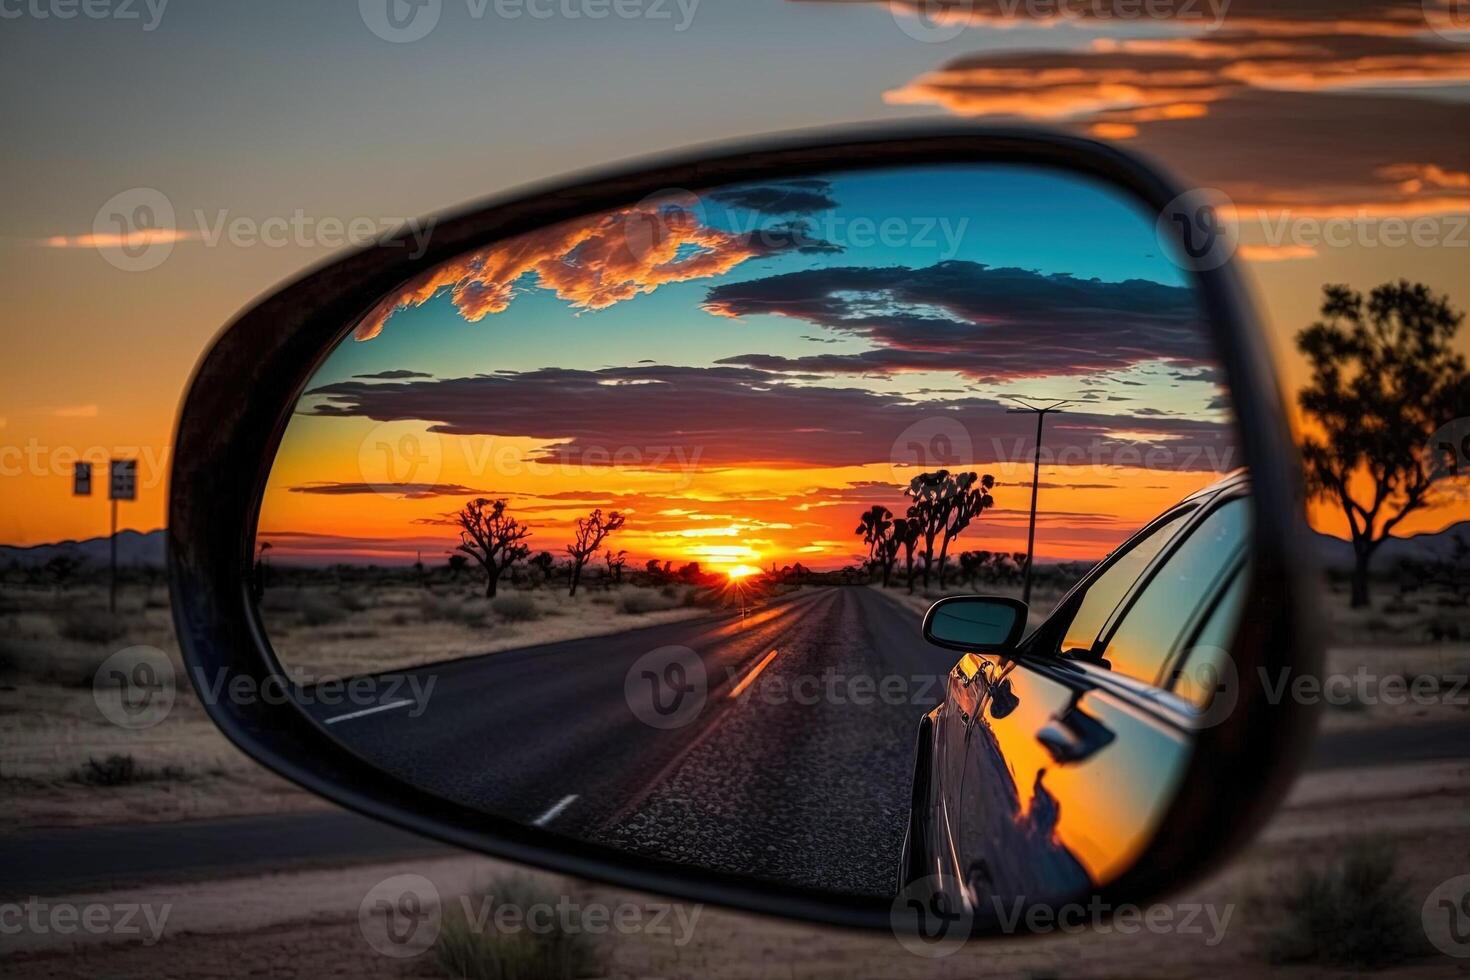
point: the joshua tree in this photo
(944, 504)
(591, 531)
(889, 546)
(457, 564)
(874, 526)
(615, 563)
(1385, 378)
(906, 531)
(491, 537)
(967, 502)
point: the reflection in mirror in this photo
(627, 526)
(975, 623)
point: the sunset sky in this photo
(742, 373)
(1298, 112)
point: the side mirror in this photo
(578, 439)
(976, 623)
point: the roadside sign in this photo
(81, 480)
(124, 479)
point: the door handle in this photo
(1074, 735)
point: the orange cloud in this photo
(592, 263)
(1276, 253)
(131, 239)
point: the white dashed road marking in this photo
(371, 711)
(555, 811)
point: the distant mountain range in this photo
(136, 548)
(1335, 553)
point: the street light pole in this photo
(1040, 412)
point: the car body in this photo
(1044, 771)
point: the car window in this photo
(1200, 674)
(1153, 625)
(1104, 594)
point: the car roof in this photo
(1239, 480)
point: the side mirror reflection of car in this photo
(976, 623)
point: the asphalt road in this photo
(793, 764)
(791, 761)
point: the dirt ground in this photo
(308, 923)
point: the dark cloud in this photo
(395, 375)
(668, 418)
(1274, 109)
(974, 319)
(409, 491)
(785, 197)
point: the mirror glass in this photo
(974, 622)
(625, 529)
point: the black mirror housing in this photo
(976, 623)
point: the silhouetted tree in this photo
(591, 530)
(874, 526)
(944, 504)
(906, 531)
(491, 537)
(1384, 379)
(615, 563)
(457, 565)
(258, 571)
(968, 499)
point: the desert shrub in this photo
(1355, 912)
(90, 625)
(471, 947)
(516, 608)
(351, 601)
(280, 600)
(121, 770)
(640, 601)
(441, 609)
(317, 609)
(668, 592)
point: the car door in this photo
(1072, 750)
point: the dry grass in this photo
(327, 630)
